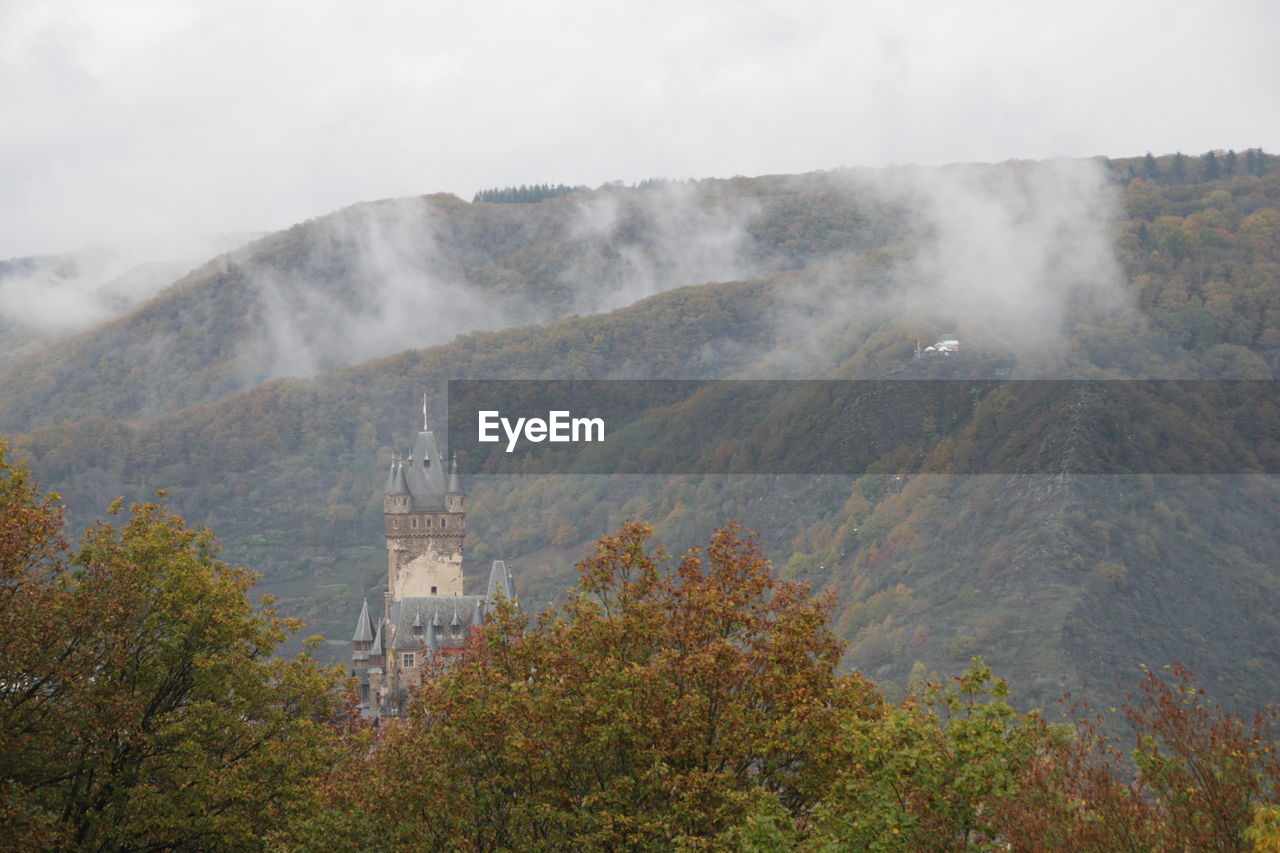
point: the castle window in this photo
(428, 522)
(407, 659)
(433, 590)
(413, 522)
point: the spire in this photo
(398, 485)
(391, 479)
(455, 485)
(376, 649)
(364, 631)
(499, 582)
(456, 623)
(424, 474)
(435, 619)
(417, 623)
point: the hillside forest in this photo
(267, 390)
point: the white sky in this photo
(140, 120)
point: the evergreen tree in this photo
(1212, 168)
(1178, 171)
(1230, 162)
(1150, 168)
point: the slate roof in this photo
(424, 474)
(435, 611)
(364, 631)
(499, 582)
(455, 485)
(396, 484)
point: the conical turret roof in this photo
(455, 485)
(424, 474)
(499, 582)
(364, 631)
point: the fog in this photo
(1013, 254)
(1009, 257)
(377, 279)
(66, 293)
(133, 120)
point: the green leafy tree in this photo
(931, 773)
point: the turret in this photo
(376, 651)
(424, 522)
(499, 583)
(454, 500)
(397, 498)
(363, 637)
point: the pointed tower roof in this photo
(391, 479)
(499, 581)
(435, 619)
(477, 618)
(398, 484)
(364, 631)
(417, 619)
(455, 485)
(455, 622)
(376, 648)
(424, 474)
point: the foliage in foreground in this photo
(702, 709)
(140, 706)
(692, 708)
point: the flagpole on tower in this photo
(424, 411)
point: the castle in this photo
(424, 610)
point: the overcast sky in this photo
(126, 121)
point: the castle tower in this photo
(425, 522)
(425, 613)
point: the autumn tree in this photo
(1194, 777)
(654, 709)
(141, 707)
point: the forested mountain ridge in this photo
(1054, 582)
(382, 276)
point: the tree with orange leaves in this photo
(653, 709)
